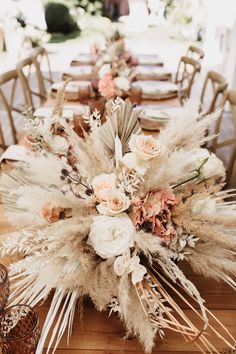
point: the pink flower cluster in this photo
(106, 86)
(153, 213)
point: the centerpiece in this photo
(115, 78)
(112, 215)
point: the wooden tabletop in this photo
(102, 335)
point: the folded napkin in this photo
(149, 59)
(73, 89)
(152, 72)
(77, 108)
(46, 112)
(15, 153)
(82, 72)
(156, 89)
(82, 59)
(158, 113)
(155, 117)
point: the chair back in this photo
(8, 90)
(195, 53)
(41, 61)
(2, 140)
(29, 76)
(186, 73)
(222, 138)
(213, 90)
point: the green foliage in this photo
(92, 7)
(59, 19)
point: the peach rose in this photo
(145, 147)
(102, 185)
(116, 203)
(51, 213)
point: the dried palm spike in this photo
(170, 315)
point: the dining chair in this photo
(41, 61)
(187, 71)
(31, 81)
(221, 138)
(195, 53)
(2, 140)
(9, 95)
(213, 90)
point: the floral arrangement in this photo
(112, 215)
(114, 78)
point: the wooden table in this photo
(103, 335)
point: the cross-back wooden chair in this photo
(2, 140)
(217, 143)
(218, 86)
(195, 53)
(187, 71)
(41, 59)
(9, 104)
(25, 70)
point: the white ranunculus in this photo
(205, 206)
(145, 147)
(59, 144)
(111, 235)
(105, 69)
(102, 185)
(122, 83)
(116, 203)
(131, 162)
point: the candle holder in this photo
(19, 330)
(4, 287)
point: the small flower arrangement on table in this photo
(115, 78)
(113, 223)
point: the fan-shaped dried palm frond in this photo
(122, 123)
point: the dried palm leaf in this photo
(122, 123)
(154, 290)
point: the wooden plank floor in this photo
(102, 335)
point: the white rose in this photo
(205, 206)
(116, 203)
(212, 168)
(111, 235)
(59, 144)
(132, 162)
(105, 69)
(145, 147)
(122, 83)
(102, 185)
